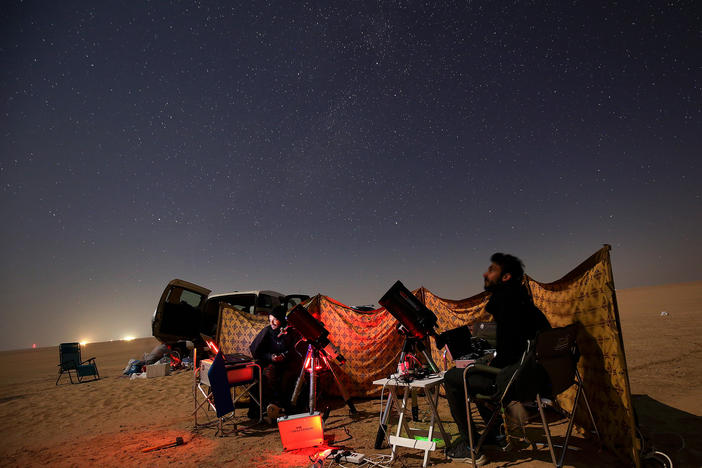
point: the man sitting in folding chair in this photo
(218, 377)
(274, 350)
(518, 321)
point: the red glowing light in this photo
(213, 347)
(300, 431)
(175, 360)
(308, 365)
(34, 346)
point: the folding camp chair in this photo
(556, 352)
(213, 381)
(69, 361)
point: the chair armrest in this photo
(480, 368)
(87, 360)
(237, 365)
(487, 369)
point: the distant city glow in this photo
(128, 338)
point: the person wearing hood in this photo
(517, 321)
(274, 349)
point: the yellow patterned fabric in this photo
(371, 343)
(238, 329)
(586, 295)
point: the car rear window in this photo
(178, 295)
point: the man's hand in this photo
(277, 357)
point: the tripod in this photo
(314, 358)
(410, 344)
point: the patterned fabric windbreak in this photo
(371, 344)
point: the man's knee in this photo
(453, 378)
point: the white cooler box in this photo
(158, 370)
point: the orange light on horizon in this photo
(128, 338)
(84, 342)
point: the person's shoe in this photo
(252, 412)
(498, 441)
(460, 450)
(273, 411)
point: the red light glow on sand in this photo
(295, 458)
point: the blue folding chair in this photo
(70, 362)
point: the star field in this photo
(306, 147)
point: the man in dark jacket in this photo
(274, 349)
(518, 320)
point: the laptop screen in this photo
(458, 341)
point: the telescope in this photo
(313, 332)
(319, 349)
(416, 320)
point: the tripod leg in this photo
(415, 406)
(313, 383)
(300, 381)
(427, 356)
(383, 427)
(342, 389)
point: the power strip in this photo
(348, 457)
(353, 457)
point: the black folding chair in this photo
(70, 362)
(554, 353)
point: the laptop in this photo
(458, 341)
(229, 358)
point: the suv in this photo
(186, 310)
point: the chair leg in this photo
(587, 405)
(570, 423)
(469, 419)
(546, 429)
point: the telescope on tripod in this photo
(416, 323)
(319, 352)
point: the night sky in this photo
(308, 147)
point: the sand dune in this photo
(109, 421)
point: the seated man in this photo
(517, 320)
(274, 349)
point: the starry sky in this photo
(335, 147)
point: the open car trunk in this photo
(180, 312)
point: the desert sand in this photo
(108, 422)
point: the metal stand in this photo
(430, 386)
(314, 356)
(410, 344)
